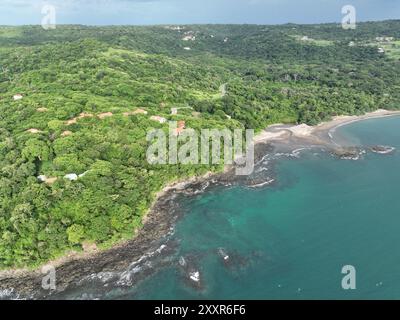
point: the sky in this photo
(144, 12)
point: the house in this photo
(43, 178)
(174, 111)
(226, 40)
(381, 50)
(71, 177)
(137, 111)
(175, 28)
(81, 116)
(140, 111)
(74, 176)
(187, 48)
(105, 115)
(305, 38)
(42, 109)
(71, 122)
(85, 115)
(189, 37)
(66, 133)
(181, 127)
(158, 119)
(18, 97)
(51, 180)
(384, 39)
(351, 44)
(33, 131)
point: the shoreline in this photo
(77, 265)
(320, 133)
(157, 222)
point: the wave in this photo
(262, 184)
(382, 149)
(293, 154)
(126, 277)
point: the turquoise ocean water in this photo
(290, 240)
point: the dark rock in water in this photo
(190, 273)
(382, 149)
(232, 260)
(224, 256)
(348, 153)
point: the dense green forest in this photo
(80, 87)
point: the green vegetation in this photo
(392, 49)
(270, 75)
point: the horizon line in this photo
(199, 24)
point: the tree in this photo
(36, 149)
(76, 234)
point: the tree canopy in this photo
(81, 86)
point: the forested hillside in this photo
(73, 144)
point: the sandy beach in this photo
(320, 133)
(159, 221)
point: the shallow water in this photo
(288, 240)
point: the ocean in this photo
(286, 240)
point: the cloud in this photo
(15, 3)
(193, 11)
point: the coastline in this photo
(157, 223)
(73, 266)
(319, 134)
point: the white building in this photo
(189, 37)
(71, 177)
(176, 28)
(384, 39)
(42, 178)
(158, 119)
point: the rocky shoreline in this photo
(28, 284)
(159, 223)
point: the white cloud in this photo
(193, 11)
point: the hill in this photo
(81, 88)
